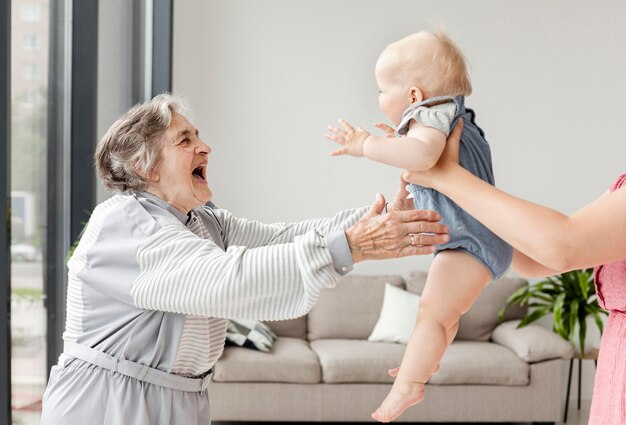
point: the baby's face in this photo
(393, 96)
(399, 73)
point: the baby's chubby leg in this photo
(454, 282)
(450, 334)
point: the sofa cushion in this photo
(397, 317)
(416, 282)
(291, 360)
(350, 310)
(474, 362)
(478, 323)
(532, 343)
(349, 361)
(294, 328)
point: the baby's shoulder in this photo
(437, 113)
(445, 104)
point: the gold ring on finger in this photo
(412, 239)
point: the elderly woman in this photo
(159, 269)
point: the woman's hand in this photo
(352, 140)
(448, 161)
(395, 234)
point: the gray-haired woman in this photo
(159, 269)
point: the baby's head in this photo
(418, 67)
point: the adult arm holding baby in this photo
(547, 242)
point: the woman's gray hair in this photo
(131, 148)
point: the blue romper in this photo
(466, 233)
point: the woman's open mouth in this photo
(199, 173)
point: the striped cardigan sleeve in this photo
(182, 273)
(251, 233)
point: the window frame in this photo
(5, 208)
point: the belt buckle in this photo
(205, 383)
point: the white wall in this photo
(265, 78)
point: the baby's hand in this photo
(352, 140)
(389, 131)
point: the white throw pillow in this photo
(397, 317)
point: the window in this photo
(30, 42)
(30, 12)
(29, 71)
(28, 211)
(26, 100)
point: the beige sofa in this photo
(323, 369)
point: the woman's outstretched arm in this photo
(594, 235)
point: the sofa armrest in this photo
(532, 343)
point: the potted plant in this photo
(569, 296)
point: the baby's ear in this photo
(416, 94)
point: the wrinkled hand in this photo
(395, 234)
(352, 140)
(448, 160)
(400, 202)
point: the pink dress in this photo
(608, 405)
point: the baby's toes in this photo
(381, 415)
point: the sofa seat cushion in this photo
(354, 360)
(465, 362)
(290, 360)
(477, 362)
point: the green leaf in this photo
(514, 299)
(558, 316)
(535, 305)
(573, 315)
(598, 320)
(517, 296)
(582, 333)
(535, 315)
(501, 314)
(585, 280)
(543, 297)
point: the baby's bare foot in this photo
(402, 396)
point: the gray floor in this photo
(575, 417)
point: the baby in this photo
(422, 82)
